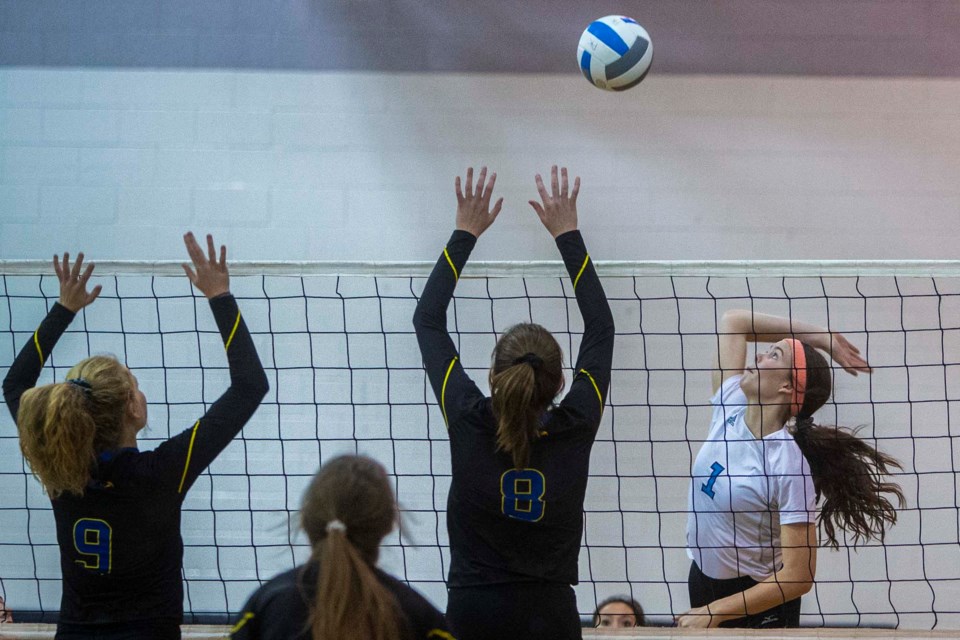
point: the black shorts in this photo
(704, 590)
(147, 630)
(528, 610)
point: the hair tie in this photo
(80, 382)
(336, 525)
(804, 422)
(530, 358)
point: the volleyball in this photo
(615, 53)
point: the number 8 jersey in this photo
(506, 524)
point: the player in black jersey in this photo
(117, 509)
(520, 463)
(340, 594)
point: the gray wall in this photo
(824, 37)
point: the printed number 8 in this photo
(93, 539)
(521, 493)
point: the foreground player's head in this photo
(525, 377)
(64, 426)
(347, 510)
(618, 612)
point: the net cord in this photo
(544, 268)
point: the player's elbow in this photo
(423, 318)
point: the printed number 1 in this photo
(707, 487)
(521, 492)
(93, 539)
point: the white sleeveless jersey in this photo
(743, 490)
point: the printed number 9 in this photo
(93, 540)
(521, 493)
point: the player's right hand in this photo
(558, 209)
(211, 276)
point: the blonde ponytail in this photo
(63, 426)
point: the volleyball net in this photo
(346, 376)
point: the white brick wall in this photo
(681, 167)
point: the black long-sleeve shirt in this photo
(121, 551)
(280, 609)
(508, 525)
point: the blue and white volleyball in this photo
(615, 53)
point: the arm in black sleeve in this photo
(25, 370)
(450, 382)
(181, 459)
(591, 378)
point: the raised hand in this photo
(845, 354)
(473, 205)
(211, 275)
(558, 209)
(73, 282)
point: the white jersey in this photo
(743, 490)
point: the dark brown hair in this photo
(526, 375)
(847, 472)
(627, 600)
(63, 426)
(347, 510)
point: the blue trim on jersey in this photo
(605, 34)
(107, 456)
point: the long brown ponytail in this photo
(347, 510)
(526, 375)
(847, 472)
(63, 426)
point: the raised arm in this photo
(181, 459)
(450, 382)
(26, 368)
(740, 326)
(591, 379)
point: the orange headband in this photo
(799, 375)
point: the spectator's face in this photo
(617, 615)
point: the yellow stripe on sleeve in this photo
(443, 391)
(456, 276)
(595, 388)
(247, 617)
(236, 323)
(440, 633)
(586, 259)
(36, 343)
(193, 437)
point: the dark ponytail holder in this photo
(804, 423)
(532, 359)
(81, 383)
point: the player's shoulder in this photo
(782, 450)
(282, 585)
(420, 613)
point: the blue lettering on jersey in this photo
(707, 487)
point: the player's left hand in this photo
(846, 354)
(473, 206)
(73, 282)
(699, 618)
